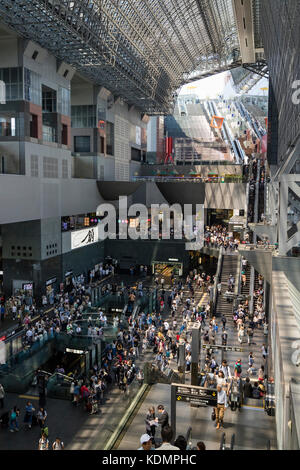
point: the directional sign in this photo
(225, 348)
(197, 395)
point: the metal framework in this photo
(141, 50)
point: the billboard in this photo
(84, 237)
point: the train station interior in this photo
(149, 225)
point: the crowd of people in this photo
(218, 236)
(157, 422)
(144, 332)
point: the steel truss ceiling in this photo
(141, 50)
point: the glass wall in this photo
(49, 134)
(13, 80)
(64, 101)
(83, 116)
(32, 87)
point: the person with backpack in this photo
(43, 442)
(238, 368)
(255, 391)
(13, 419)
(58, 444)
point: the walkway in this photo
(252, 426)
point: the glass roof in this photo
(141, 50)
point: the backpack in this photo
(238, 368)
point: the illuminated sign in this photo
(84, 237)
(74, 351)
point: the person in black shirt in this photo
(247, 389)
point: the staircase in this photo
(230, 264)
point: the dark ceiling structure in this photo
(140, 50)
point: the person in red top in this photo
(84, 391)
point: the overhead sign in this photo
(84, 237)
(225, 348)
(197, 395)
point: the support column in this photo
(196, 340)
(181, 360)
(173, 411)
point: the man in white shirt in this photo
(222, 404)
(226, 370)
(167, 435)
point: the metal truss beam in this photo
(143, 51)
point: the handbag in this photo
(213, 415)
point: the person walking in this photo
(28, 414)
(58, 444)
(13, 419)
(222, 404)
(43, 442)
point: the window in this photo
(34, 55)
(64, 134)
(34, 166)
(82, 144)
(50, 167)
(83, 116)
(48, 100)
(65, 168)
(64, 101)
(135, 154)
(34, 126)
(7, 125)
(49, 134)
(32, 87)
(13, 80)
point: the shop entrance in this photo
(167, 268)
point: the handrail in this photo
(62, 375)
(188, 436)
(252, 282)
(217, 278)
(223, 441)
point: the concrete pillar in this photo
(181, 358)
(196, 339)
